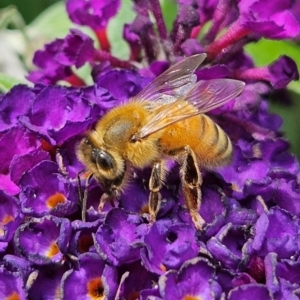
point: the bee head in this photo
(106, 165)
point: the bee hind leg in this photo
(155, 184)
(191, 179)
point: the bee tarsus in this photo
(155, 184)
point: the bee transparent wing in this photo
(207, 95)
(204, 96)
(173, 83)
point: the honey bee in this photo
(164, 121)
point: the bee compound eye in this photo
(102, 159)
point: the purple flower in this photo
(118, 240)
(93, 279)
(135, 278)
(250, 291)
(60, 116)
(94, 14)
(14, 104)
(12, 285)
(282, 277)
(45, 282)
(43, 241)
(177, 244)
(10, 218)
(82, 236)
(58, 197)
(272, 19)
(56, 59)
(269, 236)
(193, 280)
(11, 168)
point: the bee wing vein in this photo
(174, 82)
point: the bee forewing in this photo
(204, 96)
(173, 83)
(210, 94)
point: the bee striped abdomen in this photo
(214, 147)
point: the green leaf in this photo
(125, 15)
(7, 82)
(53, 22)
(169, 10)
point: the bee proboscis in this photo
(166, 120)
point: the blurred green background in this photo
(263, 53)
(29, 9)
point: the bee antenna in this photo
(83, 194)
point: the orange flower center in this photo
(55, 199)
(96, 289)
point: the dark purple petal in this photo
(46, 191)
(21, 163)
(271, 19)
(121, 84)
(10, 216)
(14, 104)
(77, 49)
(176, 242)
(51, 70)
(82, 239)
(227, 245)
(249, 292)
(12, 285)
(92, 280)
(98, 96)
(92, 13)
(194, 279)
(14, 263)
(62, 116)
(44, 283)
(241, 279)
(191, 47)
(43, 241)
(269, 236)
(243, 172)
(119, 239)
(15, 142)
(57, 57)
(135, 278)
(134, 42)
(282, 72)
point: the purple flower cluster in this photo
(250, 245)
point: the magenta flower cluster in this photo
(249, 248)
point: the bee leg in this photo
(155, 185)
(104, 198)
(191, 179)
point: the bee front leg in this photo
(113, 191)
(191, 179)
(155, 185)
(110, 196)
